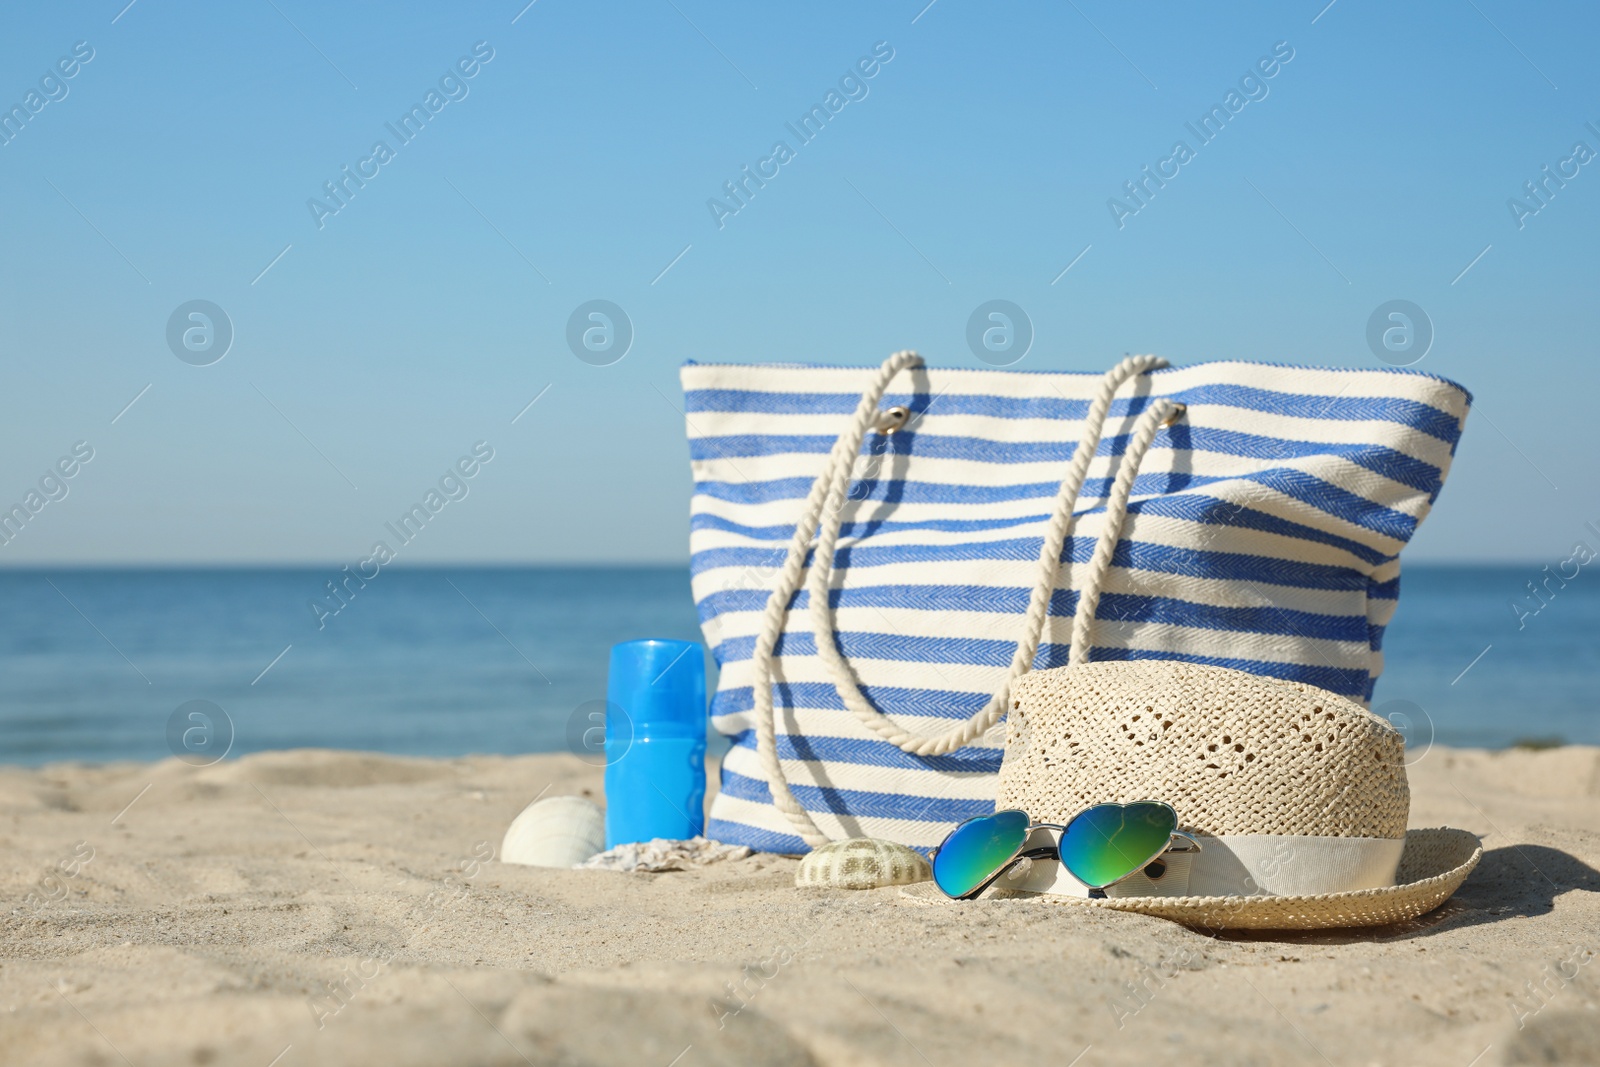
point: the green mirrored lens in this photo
(1110, 841)
(976, 849)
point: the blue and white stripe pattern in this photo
(1264, 534)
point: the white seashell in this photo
(861, 863)
(555, 832)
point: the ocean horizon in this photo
(444, 661)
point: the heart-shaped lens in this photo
(976, 849)
(1110, 841)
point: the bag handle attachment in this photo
(821, 516)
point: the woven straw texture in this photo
(1434, 865)
(1234, 753)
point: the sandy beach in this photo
(318, 907)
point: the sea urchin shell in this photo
(861, 863)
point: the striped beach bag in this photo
(878, 554)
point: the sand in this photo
(167, 914)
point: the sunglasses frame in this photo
(1177, 841)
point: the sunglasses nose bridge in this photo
(1023, 860)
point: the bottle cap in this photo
(660, 686)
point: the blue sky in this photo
(577, 162)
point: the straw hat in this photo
(1298, 796)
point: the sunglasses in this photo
(1100, 846)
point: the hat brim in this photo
(1432, 867)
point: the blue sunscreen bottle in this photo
(655, 741)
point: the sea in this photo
(114, 664)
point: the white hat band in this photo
(1240, 865)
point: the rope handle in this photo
(789, 581)
(822, 516)
(1022, 658)
(1160, 413)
